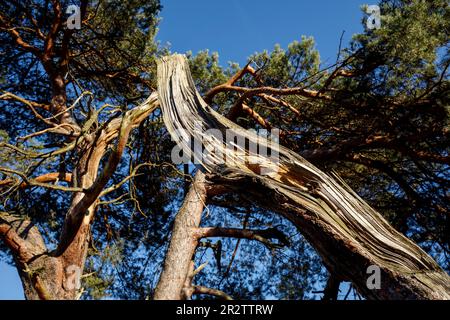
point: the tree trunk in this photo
(347, 233)
(56, 275)
(178, 261)
(43, 276)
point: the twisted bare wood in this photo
(347, 233)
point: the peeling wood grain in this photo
(347, 233)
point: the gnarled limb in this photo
(210, 291)
(347, 233)
(92, 184)
(262, 236)
(26, 243)
(49, 274)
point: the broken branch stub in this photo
(348, 234)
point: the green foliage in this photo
(206, 71)
(384, 130)
(98, 276)
(407, 43)
(291, 67)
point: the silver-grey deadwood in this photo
(347, 233)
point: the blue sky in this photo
(236, 29)
(10, 286)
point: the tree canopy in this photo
(377, 117)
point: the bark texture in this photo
(178, 263)
(54, 275)
(347, 233)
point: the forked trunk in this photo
(43, 275)
(56, 274)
